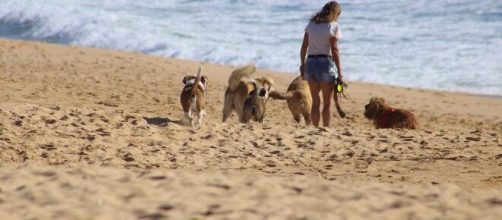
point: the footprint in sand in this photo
(48, 147)
(153, 216)
(18, 123)
(258, 144)
(165, 207)
(475, 139)
(275, 152)
(102, 132)
(128, 157)
(347, 133)
(407, 138)
(333, 157)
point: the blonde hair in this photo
(328, 13)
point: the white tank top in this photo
(319, 35)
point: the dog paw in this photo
(342, 114)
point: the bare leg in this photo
(316, 102)
(327, 92)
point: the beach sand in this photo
(99, 134)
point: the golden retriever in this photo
(299, 100)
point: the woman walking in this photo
(320, 59)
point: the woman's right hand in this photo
(302, 71)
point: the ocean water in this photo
(453, 45)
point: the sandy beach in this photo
(99, 134)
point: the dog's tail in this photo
(197, 80)
(280, 95)
(238, 74)
(255, 91)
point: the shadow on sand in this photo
(162, 122)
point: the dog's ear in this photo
(270, 88)
(204, 80)
(382, 100)
(378, 99)
(373, 108)
(269, 82)
(372, 100)
(185, 79)
(377, 106)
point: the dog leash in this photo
(341, 89)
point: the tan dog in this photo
(192, 97)
(299, 100)
(384, 116)
(254, 106)
(239, 88)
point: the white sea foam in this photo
(451, 45)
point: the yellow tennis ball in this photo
(339, 88)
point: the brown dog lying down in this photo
(299, 100)
(254, 106)
(239, 87)
(384, 116)
(192, 97)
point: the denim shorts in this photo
(320, 69)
